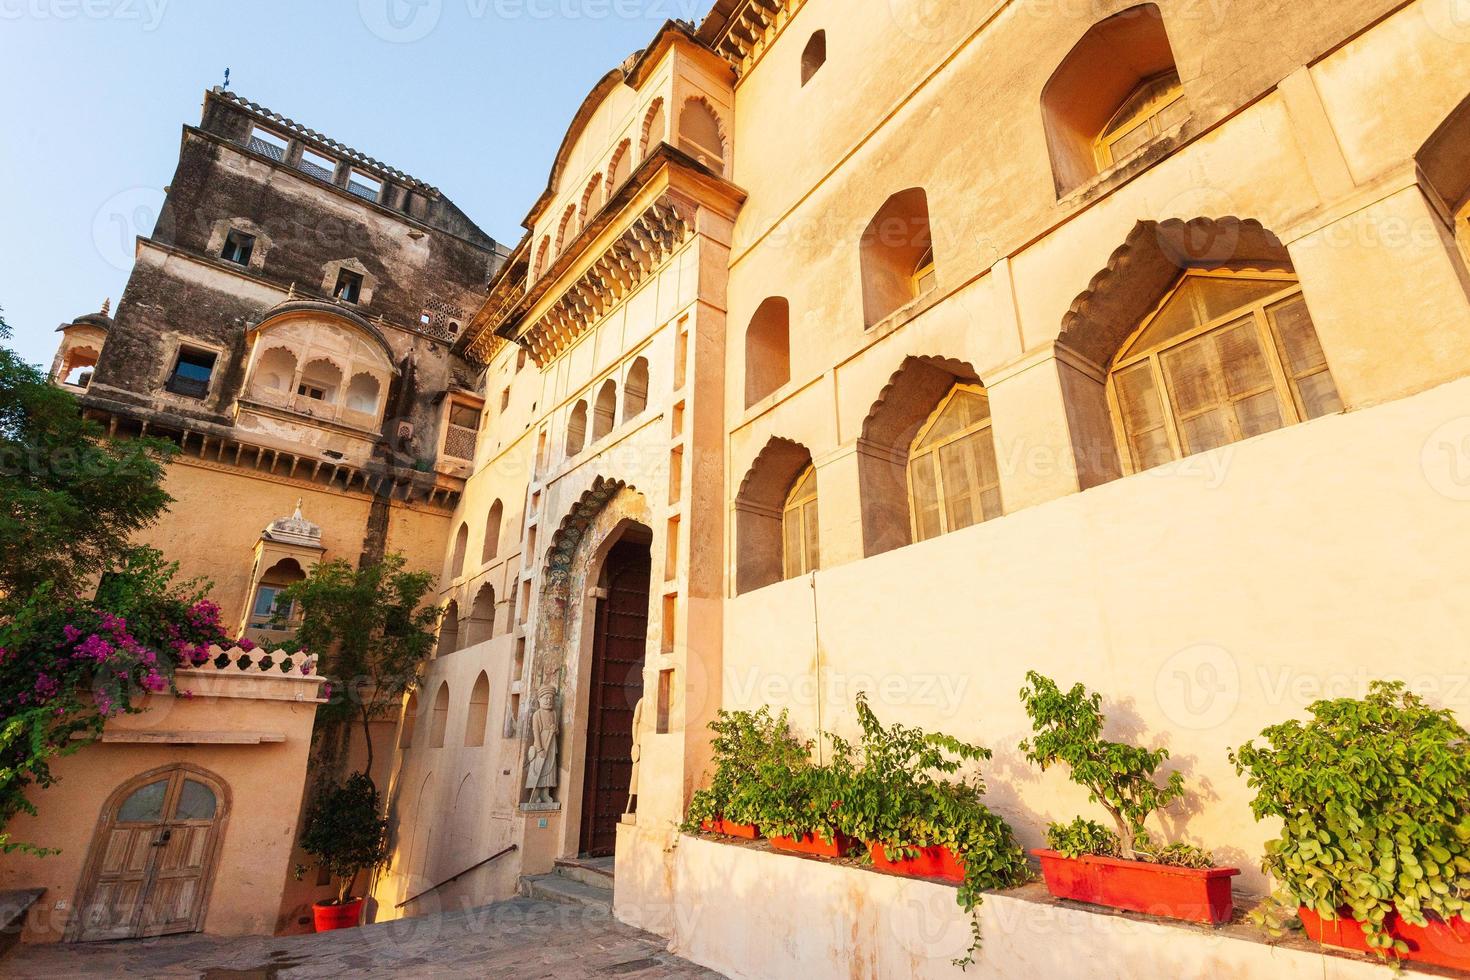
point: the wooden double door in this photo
(619, 647)
(153, 857)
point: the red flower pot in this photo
(330, 915)
(813, 844)
(1192, 894)
(930, 862)
(1439, 943)
(729, 828)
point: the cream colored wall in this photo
(218, 542)
(756, 914)
(265, 784)
(455, 806)
(1204, 600)
(1207, 599)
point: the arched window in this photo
(654, 129)
(474, 726)
(564, 230)
(1114, 94)
(577, 428)
(776, 517)
(1151, 110)
(591, 200)
(320, 382)
(439, 721)
(273, 374)
(410, 719)
(620, 168)
(491, 547)
(457, 557)
(362, 395)
(543, 257)
(897, 253)
(814, 57)
(78, 366)
(767, 350)
(1225, 357)
(448, 630)
(604, 413)
(953, 478)
(268, 611)
(801, 550)
(635, 389)
(699, 134)
(482, 616)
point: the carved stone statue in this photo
(541, 754)
(632, 807)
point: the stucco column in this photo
(839, 506)
(1383, 271)
(1039, 454)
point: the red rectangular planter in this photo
(1192, 894)
(931, 862)
(1440, 943)
(813, 844)
(730, 829)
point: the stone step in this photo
(13, 908)
(566, 891)
(597, 873)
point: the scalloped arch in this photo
(1151, 258)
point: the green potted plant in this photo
(749, 748)
(1121, 868)
(917, 823)
(1374, 799)
(347, 833)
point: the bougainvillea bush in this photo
(67, 666)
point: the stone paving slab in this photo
(521, 939)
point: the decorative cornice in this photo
(647, 241)
(748, 29)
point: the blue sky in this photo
(472, 96)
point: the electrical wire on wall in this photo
(817, 663)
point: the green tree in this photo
(346, 831)
(371, 631)
(1117, 775)
(70, 498)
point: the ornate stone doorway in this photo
(153, 859)
(619, 647)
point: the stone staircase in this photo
(584, 881)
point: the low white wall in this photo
(751, 913)
(1204, 600)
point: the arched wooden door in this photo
(618, 651)
(153, 858)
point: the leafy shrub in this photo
(66, 667)
(346, 831)
(888, 788)
(1080, 837)
(893, 793)
(1116, 775)
(760, 770)
(1374, 796)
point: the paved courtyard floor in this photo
(515, 939)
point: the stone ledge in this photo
(747, 911)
